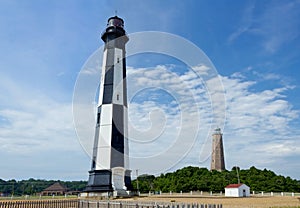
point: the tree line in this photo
(201, 179)
(35, 186)
(185, 180)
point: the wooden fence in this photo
(131, 204)
(40, 204)
(97, 204)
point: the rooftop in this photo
(56, 187)
(234, 185)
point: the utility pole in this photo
(137, 181)
(237, 173)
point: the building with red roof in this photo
(237, 190)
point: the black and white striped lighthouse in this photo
(110, 165)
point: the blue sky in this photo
(254, 45)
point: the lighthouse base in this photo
(113, 182)
(99, 181)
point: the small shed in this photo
(55, 189)
(237, 190)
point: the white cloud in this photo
(201, 69)
(246, 23)
(170, 118)
(257, 121)
(266, 109)
(35, 129)
(182, 108)
(277, 25)
(259, 128)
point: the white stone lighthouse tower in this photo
(110, 169)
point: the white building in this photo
(237, 190)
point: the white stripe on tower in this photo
(118, 77)
(100, 99)
(105, 134)
(126, 145)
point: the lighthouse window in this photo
(94, 163)
(98, 118)
(118, 60)
(118, 97)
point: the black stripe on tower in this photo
(124, 80)
(117, 140)
(109, 77)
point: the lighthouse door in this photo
(118, 174)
